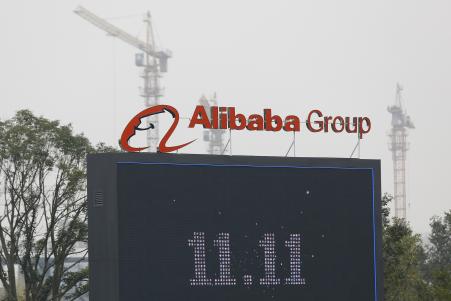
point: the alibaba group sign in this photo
(227, 118)
(133, 126)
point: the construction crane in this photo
(153, 62)
(214, 137)
(398, 145)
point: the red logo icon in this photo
(133, 126)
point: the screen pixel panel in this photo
(228, 232)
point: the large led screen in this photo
(203, 232)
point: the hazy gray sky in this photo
(343, 57)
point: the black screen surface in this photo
(203, 232)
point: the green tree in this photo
(403, 256)
(438, 267)
(44, 220)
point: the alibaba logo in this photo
(226, 118)
(133, 126)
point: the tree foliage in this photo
(403, 255)
(438, 263)
(44, 220)
(414, 270)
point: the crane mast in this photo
(398, 145)
(214, 137)
(152, 61)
